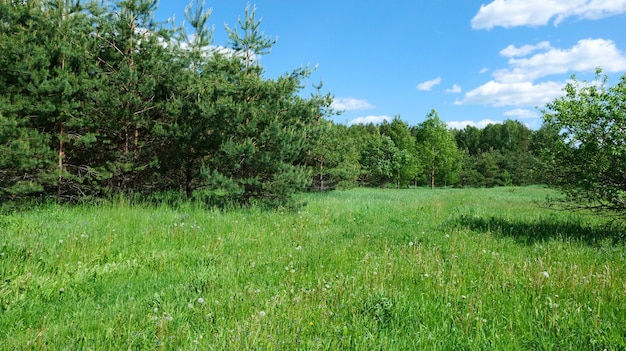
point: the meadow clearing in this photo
(363, 269)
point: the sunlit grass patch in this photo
(360, 269)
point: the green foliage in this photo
(24, 160)
(378, 159)
(588, 161)
(437, 150)
(406, 161)
(252, 42)
(333, 158)
(104, 100)
(499, 154)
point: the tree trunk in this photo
(432, 179)
(322, 173)
(61, 154)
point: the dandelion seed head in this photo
(262, 313)
(201, 301)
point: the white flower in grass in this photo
(410, 243)
(262, 313)
(201, 301)
(545, 274)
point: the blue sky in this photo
(474, 61)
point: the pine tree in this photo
(264, 123)
(133, 94)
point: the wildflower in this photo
(61, 291)
(545, 274)
(298, 248)
(262, 313)
(201, 301)
(410, 243)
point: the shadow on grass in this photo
(544, 229)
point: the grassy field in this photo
(365, 269)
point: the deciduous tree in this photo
(437, 150)
(589, 159)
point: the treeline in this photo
(395, 154)
(99, 99)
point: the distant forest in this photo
(98, 99)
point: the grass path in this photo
(363, 269)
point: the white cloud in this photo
(517, 86)
(521, 113)
(512, 51)
(369, 119)
(512, 13)
(484, 70)
(585, 56)
(513, 94)
(463, 124)
(429, 84)
(455, 89)
(350, 104)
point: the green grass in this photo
(365, 269)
